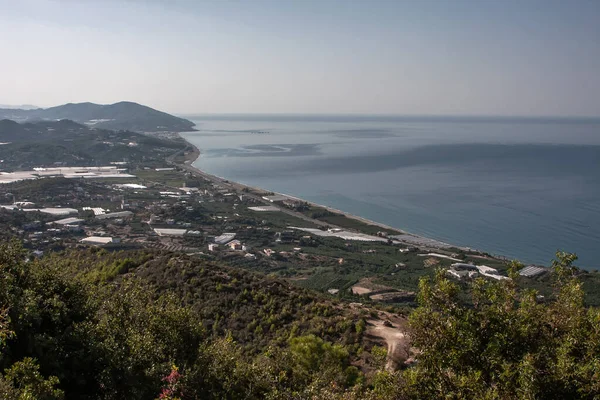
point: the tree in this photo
(507, 344)
(23, 381)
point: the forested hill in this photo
(131, 325)
(119, 116)
(11, 131)
(44, 143)
(91, 324)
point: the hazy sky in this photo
(489, 57)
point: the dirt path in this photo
(395, 339)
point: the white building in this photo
(224, 238)
(56, 210)
(532, 270)
(118, 214)
(69, 221)
(98, 240)
(213, 247)
(275, 198)
(170, 232)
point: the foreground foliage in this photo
(77, 329)
(140, 325)
(510, 345)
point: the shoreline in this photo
(399, 234)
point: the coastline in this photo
(400, 234)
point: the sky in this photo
(421, 57)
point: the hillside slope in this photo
(45, 143)
(103, 325)
(119, 116)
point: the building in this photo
(98, 240)
(95, 210)
(532, 270)
(213, 247)
(69, 221)
(118, 214)
(170, 232)
(490, 272)
(264, 208)
(189, 189)
(462, 273)
(275, 198)
(224, 238)
(235, 245)
(56, 210)
(131, 186)
(67, 172)
(471, 268)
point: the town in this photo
(174, 207)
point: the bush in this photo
(507, 345)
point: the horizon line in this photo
(325, 114)
(500, 116)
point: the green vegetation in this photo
(509, 344)
(95, 324)
(119, 116)
(141, 325)
(321, 263)
(323, 214)
(68, 143)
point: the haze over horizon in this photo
(533, 58)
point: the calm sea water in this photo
(522, 188)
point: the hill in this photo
(256, 310)
(19, 107)
(92, 324)
(45, 143)
(119, 116)
(11, 131)
(104, 325)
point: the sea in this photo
(522, 188)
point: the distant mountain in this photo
(119, 116)
(19, 107)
